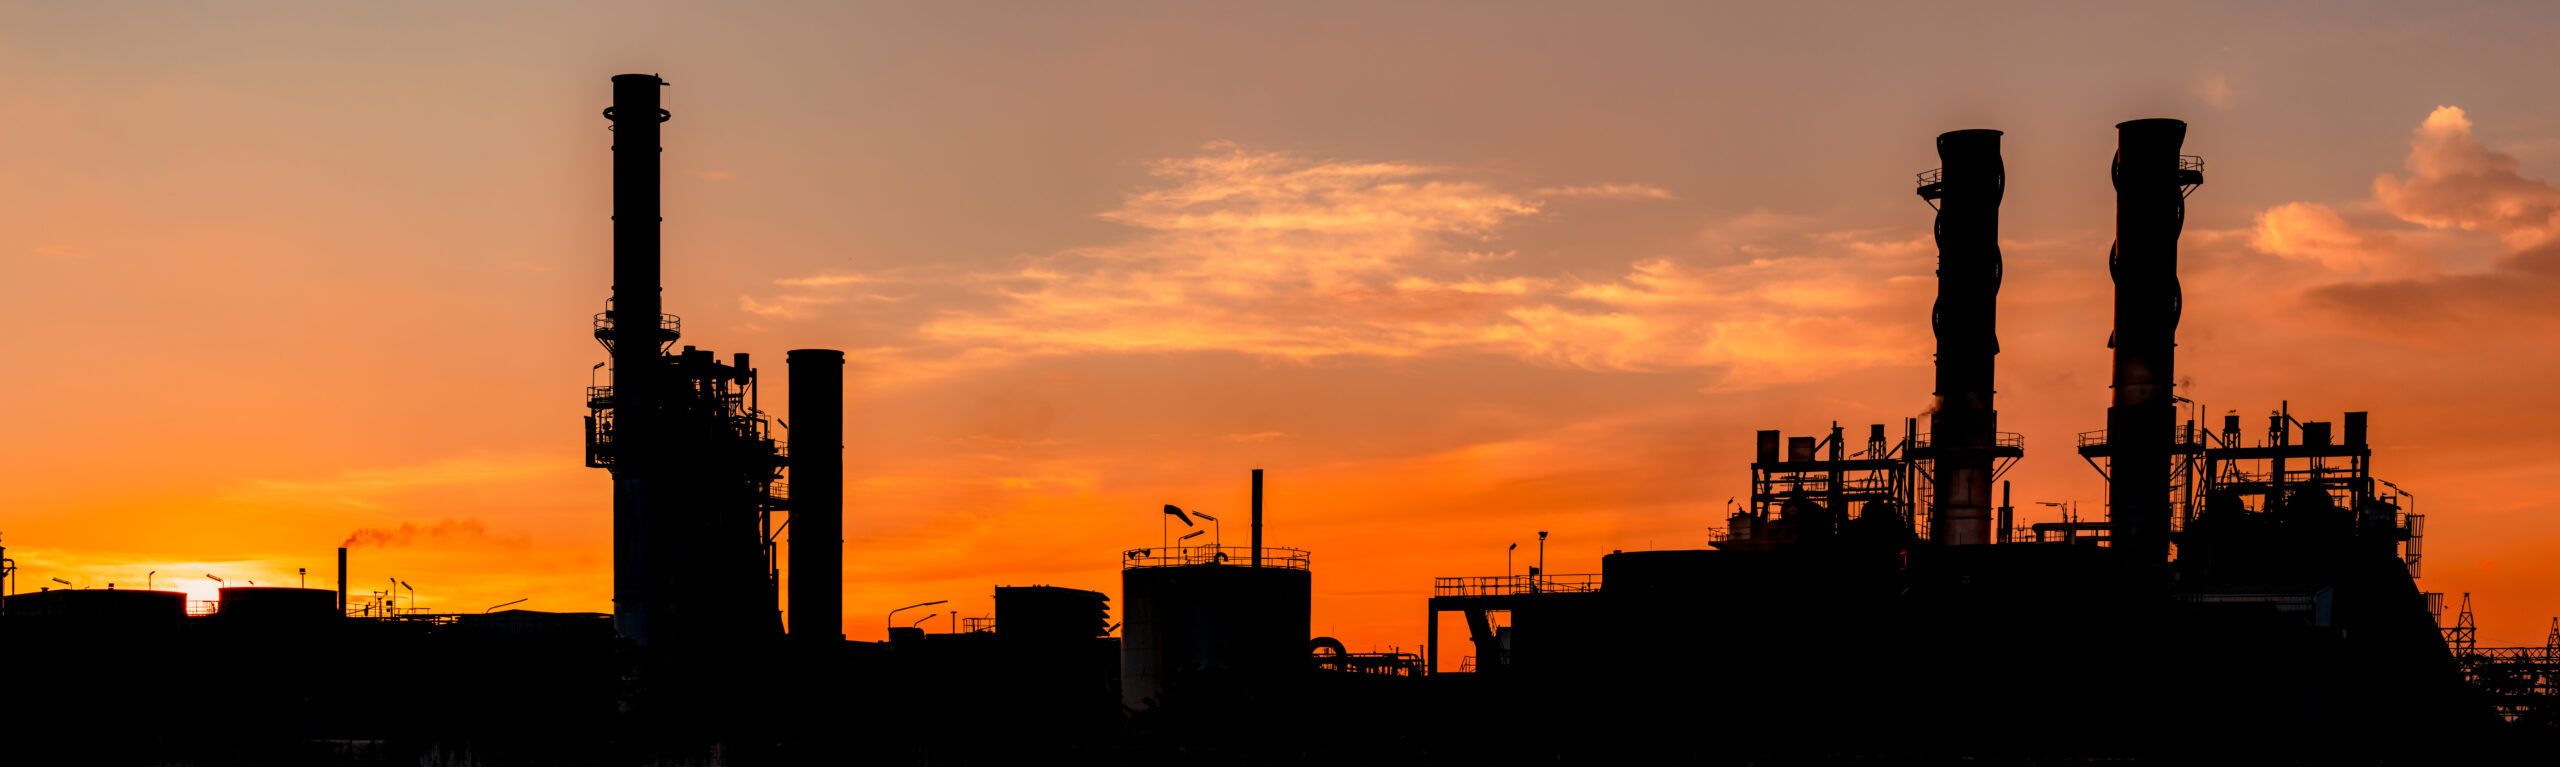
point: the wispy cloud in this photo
(1293, 257)
(1609, 192)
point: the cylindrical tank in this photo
(270, 603)
(1239, 626)
(817, 494)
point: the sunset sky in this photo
(1452, 273)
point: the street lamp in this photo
(886, 623)
(1542, 554)
(927, 617)
(1218, 538)
(1506, 561)
(413, 595)
(495, 607)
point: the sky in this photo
(283, 275)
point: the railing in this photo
(1509, 585)
(599, 398)
(198, 608)
(1212, 556)
(2181, 434)
(1998, 439)
(670, 324)
(2190, 162)
(1932, 176)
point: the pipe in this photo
(342, 580)
(1257, 517)
(817, 494)
(1964, 430)
(643, 572)
(2151, 182)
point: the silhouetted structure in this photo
(2152, 182)
(1217, 612)
(1964, 428)
(696, 469)
(817, 494)
(1858, 609)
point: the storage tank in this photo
(1206, 612)
(274, 603)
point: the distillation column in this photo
(1964, 431)
(2151, 181)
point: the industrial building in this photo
(2249, 593)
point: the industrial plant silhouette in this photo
(2250, 593)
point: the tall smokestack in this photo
(2151, 182)
(643, 568)
(817, 494)
(1963, 433)
(342, 580)
(1257, 517)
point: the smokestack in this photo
(1964, 431)
(817, 494)
(643, 568)
(342, 580)
(2152, 182)
(1257, 517)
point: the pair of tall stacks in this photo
(2151, 181)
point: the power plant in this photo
(2250, 593)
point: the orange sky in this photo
(1452, 274)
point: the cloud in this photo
(1259, 436)
(2456, 182)
(791, 307)
(1292, 257)
(826, 280)
(2314, 232)
(2214, 89)
(1608, 192)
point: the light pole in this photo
(886, 622)
(1216, 539)
(1542, 556)
(927, 617)
(1506, 561)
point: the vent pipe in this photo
(1964, 430)
(643, 565)
(2152, 181)
(817, 494)
(1257, 517)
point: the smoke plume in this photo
(409, 532)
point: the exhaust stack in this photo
(817, 494)
(2152, 181)
(342, 580)
(1964, 431)
(643, 563)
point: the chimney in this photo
(643, 562)
(342, 580)
(1257, 517)
(817, 494)
(2152, 181)
(1964, 430)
